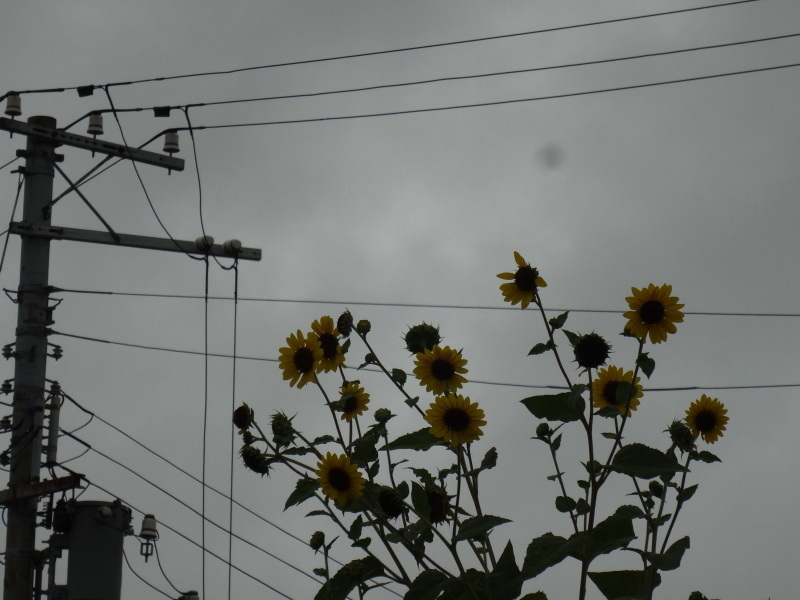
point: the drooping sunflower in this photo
(328, 336)
(455, 419)
(522, 284)
(604, 389)
(299, 359)
(440, 369)
(707, 417)
(339, 479)
(353, 402)
(653, 312)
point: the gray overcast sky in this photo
(694, 184)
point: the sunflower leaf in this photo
(573, 338)
(671, 559)
(427, 586)
(476, 527)
(638, 460)
(565, 407)
(303, 490)
(399, 376)
(419, 500)
(535, 596)
(348, 577)
(422, 439)
(541, 348)
(646, 364)
(565, 504)
(543, 552)
(558, 322)
(707, 457)
(624, 585)
(686, 493)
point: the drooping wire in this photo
(426, 46)
(11, 162)
(142, 579)
(158, 560)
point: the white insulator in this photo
(13, 106)
(204, 243)
(171, 144)
(95, 125)
(232, 246)
(149, 531)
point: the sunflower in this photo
(353, 402)
(455, 419)
(523, 284)
(591, 351)
(440, 369)
(707, 417)
(299, 359)
(328, 336)
(654, 312)
(339, 479)
(604, 389)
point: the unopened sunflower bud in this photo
(254, 460)
(421, 337)
(363, 327)
(370, 359)
(391, 503)
(243, 417)
(681, 436)
(591, 351)
(282, 429)
(317, 540)
(345, 323)
(247, 437)
(382, 415)
(657, 489)
(543, 431)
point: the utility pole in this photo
(34, 316)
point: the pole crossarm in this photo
(40, 488)
(87, 143)
(228, 249)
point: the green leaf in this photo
(320, 572)
(582, 507)
(419, 500)
(363, 450)
(706, 457)
(424, 476)
(348, 577)
(646, 364)
(323, 439)
(556, 443)
(476, 527)
(427, 586)
(412, 402)
(558, 322)
(573, 338)
(565, 504)
(614, 532)
(624, 585)
(416, 440)
(541, 348)
(671, 559)
(535, 596)
(638, 460)
(543, 552)
(399, 376)
(686, 493)
(355, 528)
(305, 489)
(565, 407)
(489, 460)
(623, 393)
(362, 543)
(505, 582)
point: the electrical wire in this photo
(158, 560)
(395, 113)
(422, 46)
(142, 579)
(13, 212)
(11, 162)
(401, 304)
(478, 381)
(233, 407)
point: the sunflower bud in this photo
(254, 460)
(657, 489)
(363, 327)
(247, 437)
(317, 540)
(243, 417)
(439, 502)
(681, 436)
(282, 430)
(543, 431)
(591, 351)
(382, 415)
(421, 337)
(345, 323)
(370, 359)
(390, 502)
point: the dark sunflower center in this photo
(339, 479)
(591, 351)
(349, 405)
(610, 392)
(303, 360)
(329, 343)
(456, 419)
(706, 421)
(652, 312)
(442, 369)
(525, 278)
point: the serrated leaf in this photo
(362, 543)
(303, 490)
(556, 443)
(476, 527)
(582, 507)
(558, 322)
(573, 338)
(706, 457)
(671, 559)
(646, 364)
(427, 586)
(564, 407)
(422, 439)
(542, 553)
(355, 528)
(320, 572)
(638, 460)
(613, 532)
(686, 493)
(541, 348)
(489, 460)
(419, 500)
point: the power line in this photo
(395, 113)
(478, 381)
(398, 304)
(419, 47)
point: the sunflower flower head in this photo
(707, 417)
(339, 479)
(440, 370)
(439, 502)
(455, 419)
(421, 337)
(298, 360)
(353, 402)
(654, 312)
(523, 284)
(390, 502)
(328, 336)
(591, 351)
(606, 385)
